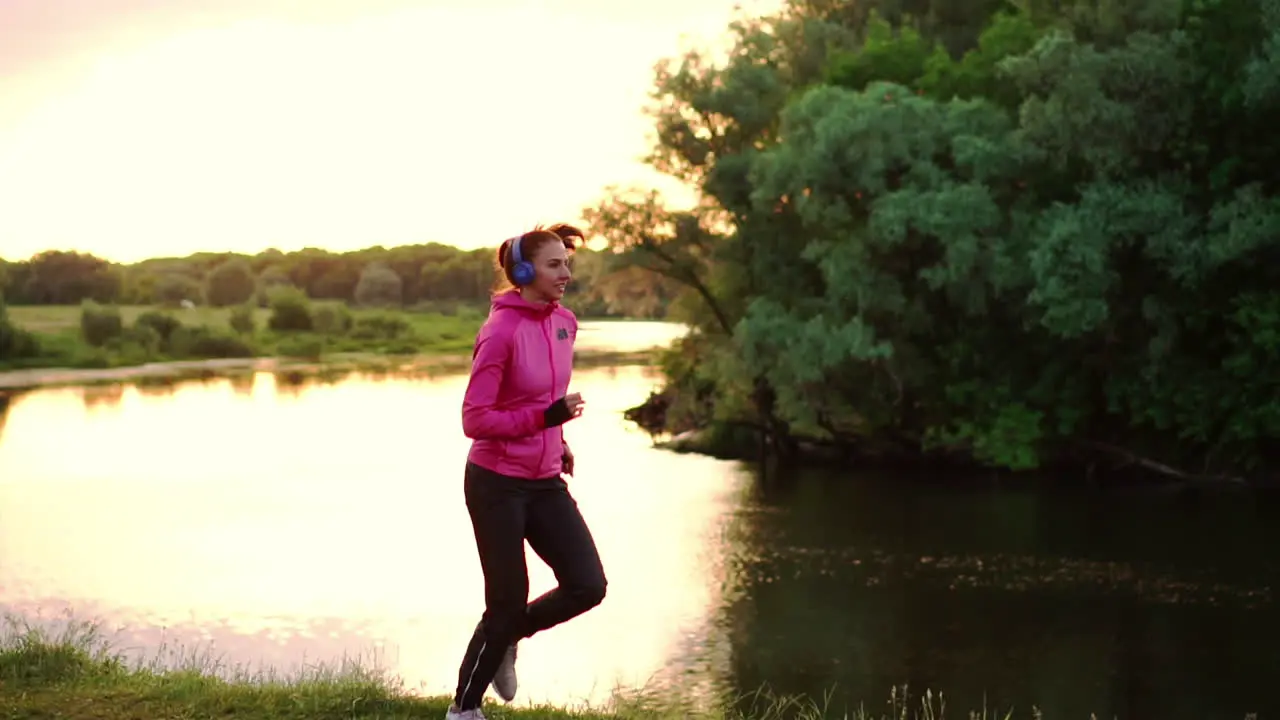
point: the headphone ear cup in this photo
(523, 273)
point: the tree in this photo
(430, 272)
(231, 283)
(63, 278)
(1060, 239)
(379, 285)
(171, 289)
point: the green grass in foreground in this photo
(76, 676)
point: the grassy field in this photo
(435, 332)
(55, 319)
(75, 676)
(61, 319)
(206, 345)
(207, 333)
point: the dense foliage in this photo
(433, 274)
(1052, 237)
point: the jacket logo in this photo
(562, 334)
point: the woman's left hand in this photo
(566, 460)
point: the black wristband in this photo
(556, 414)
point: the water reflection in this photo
(6, 400)
(259, 522)
(1002, 598)
(242, 383)
(276, 519)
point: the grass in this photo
(205, 345)
(400, 342)
(429, 330)
(75, 675)
(60, 319)
(426, 331)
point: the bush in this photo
(241, 320)
(163, 324)
(290, 310)
(142, 336)
(202, 341)
(137, 345)
(403, 346)
(272, 278)
(15, 343)
(308, 347)
(331, 318)
(99, 324)
(380, 326)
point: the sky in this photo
(144, 128)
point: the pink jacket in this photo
(521, 364)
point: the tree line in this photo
(433, 274)
(1017, 234)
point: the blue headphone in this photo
(522, 271)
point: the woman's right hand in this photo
(563, 410)
(575, 404)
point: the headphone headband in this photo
(522, 271)
(515, 248)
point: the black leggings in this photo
(506, 511)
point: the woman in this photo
(514, 408)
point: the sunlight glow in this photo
(436, 121)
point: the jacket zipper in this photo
(551, 359)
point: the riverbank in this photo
(63, 345)
(62, 338)
(14, 381)
(75, 676)
(158, 341)
(1082, 462)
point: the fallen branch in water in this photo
(1160, 468)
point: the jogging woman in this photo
(515, 406)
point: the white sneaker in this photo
(456, 714)
(504, 682)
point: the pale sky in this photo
(138, 128)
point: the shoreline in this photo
(16, 381)
(76, 674)
(952, 470)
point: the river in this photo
(275, 524)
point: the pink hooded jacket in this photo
(521, 364)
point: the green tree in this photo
(64, 278)
(231, 283)
(172, 289)
(379, 285)
(1057, 240)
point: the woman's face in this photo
(551, 262)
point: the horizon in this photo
(133, 129)
(253, 253)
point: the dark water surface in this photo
(279, 525)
